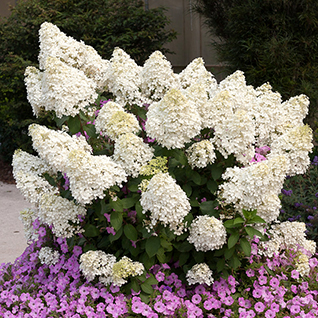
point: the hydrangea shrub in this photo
(151, 167)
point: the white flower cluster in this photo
(61, 88)
(196, 74)
(302, 264)
(173, 121)
(59, 212)
(131, 153)
(97, 263)
(48, 256)
(55, 146)
(124, 78)
(207, 233)
(27, 172)
(113, 121)
(200, 154)
(256, 186)
(54, 43)
(200, 274)
(157, 77)
(27, 217)
(125, 268)
(295, 144)
(166, 201)
(287, 236)
(91, 175)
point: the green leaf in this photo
(187, 189)
(216, 172)
(229, 224)
(91, 230)
(238, 220)
(246, 246)
(183, 247)
(151, 280)
(183, 258)
(233, 239)
(115, 237)
(152, 245)
(131, 232)
(180, 156)
(133, 187)
(195, 177)
(161, 255)
(234, 262)
(229, 252)
(74, 124)
(129, 202)
(252, 232)
(208, 207)
(220, 264)
(257, 219)
(212, 186)
(61, 121)
(146, 288)
(135, 286)
(116, 220)
(117, 205)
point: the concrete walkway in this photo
(12, 240)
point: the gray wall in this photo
(193, 38)
(4, 7)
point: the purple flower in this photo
(270, 314)
(274, 282)
(294, 274)
(208, 305)
(287, 192)
(196, 299)
(228, 300)
(159, 306)
(259, 306)
(294, 309)
(110, 230)
(250, 272)
(42, 231)
(137, 307)
(262, 280)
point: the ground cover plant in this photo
(158, 194)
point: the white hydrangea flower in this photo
(48, 256)
(27, 217)
(287, 236)
(197, 95)
(54, 146)
(54, 43)
(33, 82)
(196, 73)
(200, 274)
(125, 268)
(236, 135)
(200, 154)
(173, 121)
(166, 201)
(64, 89)
(91, 175)
(97, 263)
(157, 77)
(23, 161)
(124, 78)
(302, 264)
(59, 212)
(33, 186)
(248, 188)
(113, 121)
(207, 233)
(131, 153)
(295, 144)
(269, 209)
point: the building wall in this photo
(193, 38)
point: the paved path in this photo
(12, 240)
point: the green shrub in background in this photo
(272, 41)
(103, 24)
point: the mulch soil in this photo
(6, 175)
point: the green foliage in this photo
(300, 200)
(118, 226)
(103, 24)
(272, 41)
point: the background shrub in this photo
(272, 41)
(103, 24)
